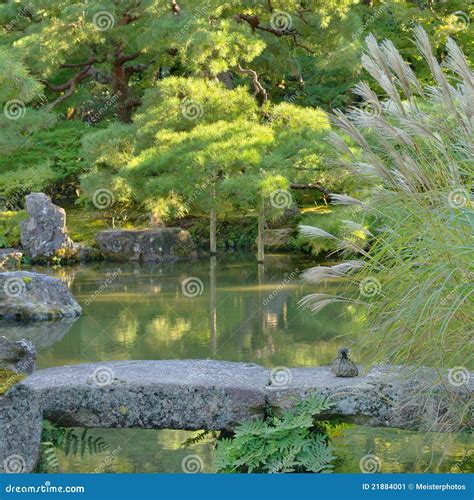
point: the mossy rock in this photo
(8, 378)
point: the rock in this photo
(10, 258)
(173, 394)
(44, 233)
(89, 254)
(149, 245)
(20, 430)
(343, 366)
(380, 398)
(18, 357)
(277, 238)
(33, 296)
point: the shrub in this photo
(10, 228)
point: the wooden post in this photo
(260, 237)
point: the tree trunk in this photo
(260, 237)
(121, 90)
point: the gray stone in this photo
(195, 394)
(33, 296)
(277, 238)
(10, 258)
(149, 245)
(44, 233)
(17, 356)
(204, 394)
(20, 430)
(378, 398)
(88, 254)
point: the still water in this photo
(228, 310)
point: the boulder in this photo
(10, 258)
(33, 296)
(18, 357)
(44, 234)
(88, 254)
(148, 245)
(277, 238)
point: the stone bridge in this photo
(204, 394)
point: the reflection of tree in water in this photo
(143, 314)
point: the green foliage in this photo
(291, 443)
(55, 438)
(38, 152)
(10, 228)
(15, 81)
(336, 220)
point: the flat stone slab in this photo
(215, 395)
(388, 396)
(34, 296)
(195, 394)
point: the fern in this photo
(290, 443)
(55, 438)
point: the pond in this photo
(227, 309)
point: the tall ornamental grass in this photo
(414, 280)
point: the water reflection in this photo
(244, 313)
(397, 450)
